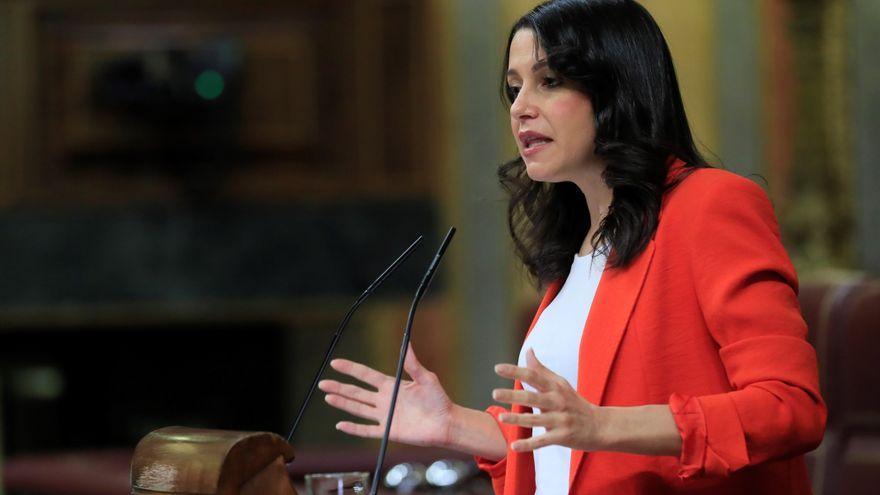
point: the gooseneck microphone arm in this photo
(423, 287)
(375, 285)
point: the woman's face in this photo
(552, 121)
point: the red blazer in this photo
(705, 319)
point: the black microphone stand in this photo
(376, 283)
(423, 287)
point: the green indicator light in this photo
(209, 85)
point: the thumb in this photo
(412, 365)
(532, 360)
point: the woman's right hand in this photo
(422, 416)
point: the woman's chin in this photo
(539, 173)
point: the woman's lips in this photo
(532, 142)
(535, 148)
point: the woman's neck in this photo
(598, 197)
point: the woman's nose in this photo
(522, 107)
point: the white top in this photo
(556, 340)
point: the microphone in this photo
(375, 285)
(423, 287)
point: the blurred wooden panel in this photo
(328, 102)
(279, 97)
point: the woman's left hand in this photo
(570, 420)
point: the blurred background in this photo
(192, 193)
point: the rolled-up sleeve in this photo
(747, 291)
(496, 469)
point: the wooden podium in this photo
(177, 460)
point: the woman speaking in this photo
(668, 354)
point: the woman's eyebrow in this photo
(540, 64)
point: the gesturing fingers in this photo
(540, 379)
(359, 430)
(528, 420)
(543, 401)
(348, 391)
(357, 370)
(533, 443)
(352, 407)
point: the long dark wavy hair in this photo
(614, 52)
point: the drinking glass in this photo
(352, 483)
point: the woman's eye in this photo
(512, 91)
(551, 82)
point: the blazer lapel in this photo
(553, 288)
(612, 306)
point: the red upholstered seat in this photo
(844, 322)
